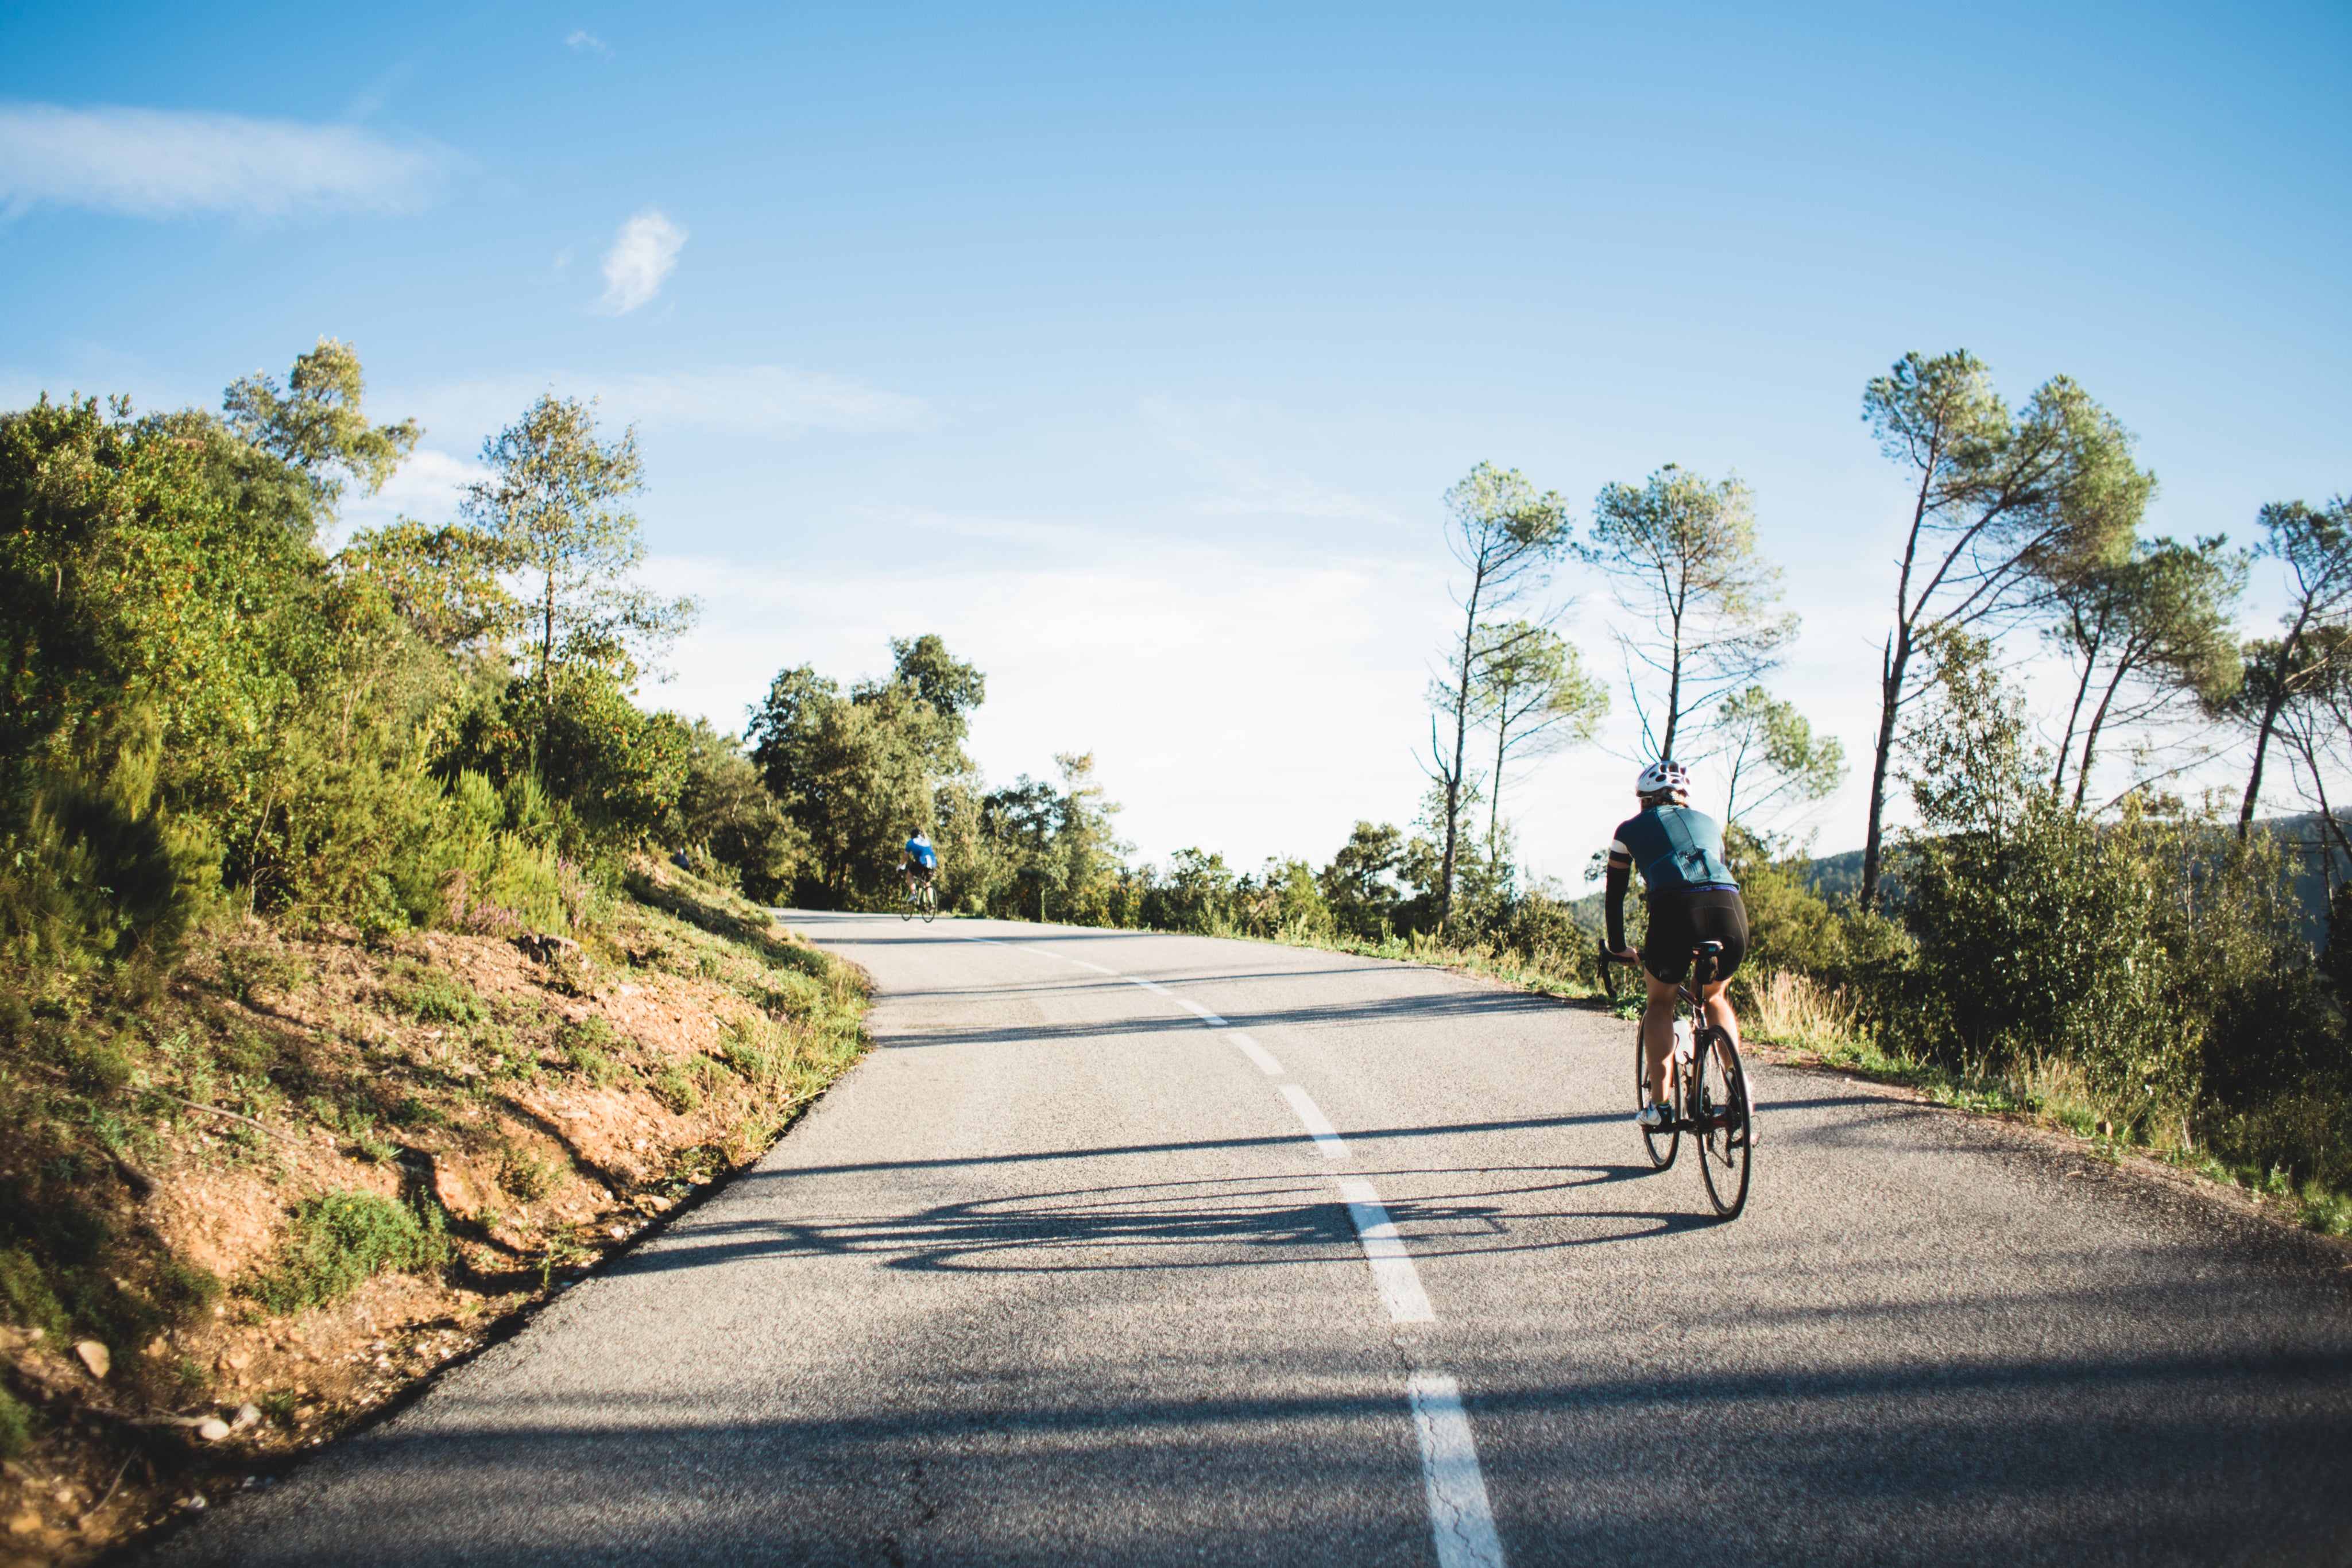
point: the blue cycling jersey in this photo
(1675, 848)
(920, 851)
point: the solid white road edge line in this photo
(1257, 1053)
(1326, 1136)
(1460, 1518)
(1197, 1011)
(1391, 1265)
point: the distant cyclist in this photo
(918, 861)
(1693, 898)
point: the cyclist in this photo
(1693, 898)
(918, 861)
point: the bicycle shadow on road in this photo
(1256, 1222)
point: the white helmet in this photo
(1662, 776)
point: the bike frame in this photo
(1682, 1073)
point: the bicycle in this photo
(1707, 1090)
(921, 899)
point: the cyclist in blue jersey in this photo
(1693, 898)
(918, 861)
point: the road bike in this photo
(921, 899)
(1706, 1090)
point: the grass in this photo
(342, 1240)
(432, 996)
(16, 1425)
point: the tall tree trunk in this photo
(1459, 766)
(2066, 741)
(2098, 721)
(1894, 666)
(2289, 645)
(2262, 745)
(1495, 798)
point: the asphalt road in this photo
(1059, 1275)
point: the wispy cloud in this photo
(644, 252)
(754, 399)
(155, 164)
(1245, 484)
(587, 42)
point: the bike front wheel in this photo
(1724, 1122)
(1661, 1141)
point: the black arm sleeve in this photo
(1613, 901)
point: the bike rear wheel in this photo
(930, 903)
(1661, 1141)
(1724, 1124)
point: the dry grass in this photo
(1798, 1009)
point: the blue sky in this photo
(1132, 352)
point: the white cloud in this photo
(772, 399)
(588, 42)
(761, 397)
(1214, 444)
(429, 487)
(155, 164)
(644, 252)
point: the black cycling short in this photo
(1680, 920)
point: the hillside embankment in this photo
(260, 1203)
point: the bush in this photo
(2038, 931)
(342, 1240)
(25, 1289)
(435, 997)
(16, 1425)
(526, 1175)
(734, 831)
(677, 1090)
(185, 1290)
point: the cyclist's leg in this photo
(1721, 917)
(1658, 1031)
(1666, 960)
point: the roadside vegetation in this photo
(357, 988)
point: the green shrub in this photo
(101, 1067)
(187, 1290)
(342, 1239)
(678, 1089)
(527, 1175)
(412, 1112)
(435, 997)
(246, 971)
(16, 1425)
(597, 1067)
(803, 960)
(2040, 932)
(25, 1288)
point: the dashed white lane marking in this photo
(1460, 1517)
(1391, 1265)
(1326, 1136)
(1255, 1052)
